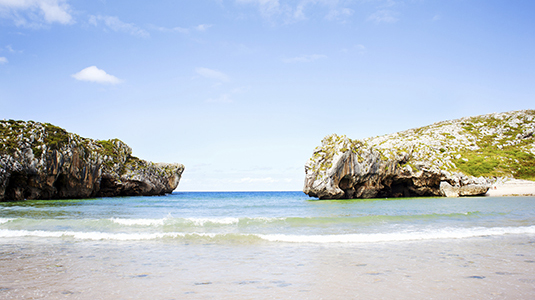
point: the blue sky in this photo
(242, 91)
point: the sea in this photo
(267, 245)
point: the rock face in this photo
(452, 158)
(43, 161)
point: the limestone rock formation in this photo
(452, 158)
(43, 161)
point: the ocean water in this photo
(268, 245)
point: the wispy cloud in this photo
(94, 74)
(203, 27)
(212, 74)
(267, 8)
(339, 14)
(117, 25)
(226, 97)
(383, 16)
(3, 60)
(33, 13)
(179, 29)
(200, 28)
(10, 49)
(436, 18)
(304, 58)
(174, 29)
(292, 11)
(360, 49)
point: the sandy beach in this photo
(476, 268)
(512, 187)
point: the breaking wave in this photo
(447, 233)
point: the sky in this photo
(242, 91)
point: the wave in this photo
(124, 236)
(139, 222)
(16, 208)
(5, 220)
(191, 222)
(447, 233)
(292, 221)
(241, 224)
(253, 221)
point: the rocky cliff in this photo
(452, 158)
(43, 161)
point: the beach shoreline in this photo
(512, 187)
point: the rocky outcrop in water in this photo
(43, 161)
(452, 158)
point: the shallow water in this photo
(267, 245)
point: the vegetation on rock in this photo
(44, 161)
(494, 145)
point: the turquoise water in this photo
(267, 217)
(268, 245)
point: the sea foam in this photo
(139, 222)
(449, 233)
(5, 220)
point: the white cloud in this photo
(117, 25)
(94, 74)
(200, 27)
(203, 27)
(304, 58)
(212, 74)
(383, 16)
(55, 12)
(10, 49)
(174, 29)
(436, 18)
(299, 13)
(49, 11)
(3, 60)
(180, 29)
(360, 49)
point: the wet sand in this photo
(512, 187)
(475, 268)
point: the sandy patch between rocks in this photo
(512, 187)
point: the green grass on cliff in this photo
(108, 147)
(510, 158)
(15, 135)
(489, 162)
(13, 132)
(55, 136)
